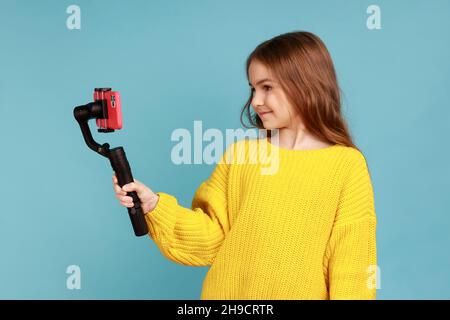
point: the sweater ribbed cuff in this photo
(161, 220)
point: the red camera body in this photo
(111, 109)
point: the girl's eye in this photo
(266, 88)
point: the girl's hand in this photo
(148, 198)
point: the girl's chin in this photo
(268, 126)
(272, 126)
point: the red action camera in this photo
(112, 111)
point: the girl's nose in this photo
(257, 101)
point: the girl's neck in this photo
(296, 140)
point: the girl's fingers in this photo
(116, 183)
(127, 204)
(127, 199)
(121, 193)
(124, 198)
(118, 189)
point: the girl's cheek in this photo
(273, 102)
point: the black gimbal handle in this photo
(122, 169)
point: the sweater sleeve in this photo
(350, 257)
(193, 236)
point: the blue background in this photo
(175, 62)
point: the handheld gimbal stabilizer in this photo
(106, 109)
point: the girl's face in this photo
(269, 100)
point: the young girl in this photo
(307, 231)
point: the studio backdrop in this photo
(180, 67)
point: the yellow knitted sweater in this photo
(304, 230)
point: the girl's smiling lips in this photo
(261, 114)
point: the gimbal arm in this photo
(83, 114)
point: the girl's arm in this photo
(193, 236)
(351, 257)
